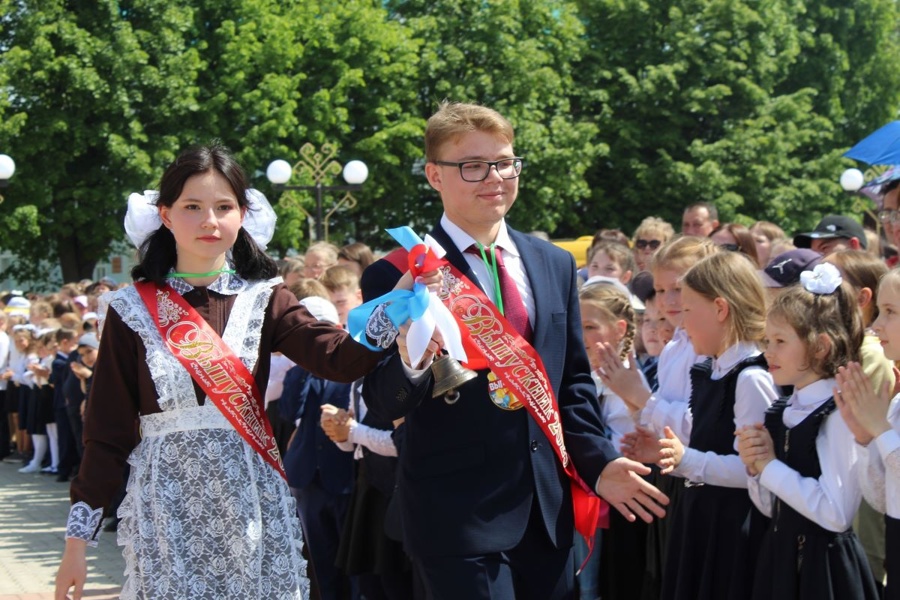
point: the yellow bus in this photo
(577, 248)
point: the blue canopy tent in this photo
(879, 148)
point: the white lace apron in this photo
(204, 516)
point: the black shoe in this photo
(62, 478)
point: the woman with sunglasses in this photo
(735, 237)
(652, 233)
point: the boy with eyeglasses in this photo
(486, 503)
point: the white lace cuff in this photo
(84, 523)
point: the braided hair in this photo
(615, 304)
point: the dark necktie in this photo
(513, 308)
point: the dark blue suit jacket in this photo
(311, 451)
(59, 371)
(469, 472)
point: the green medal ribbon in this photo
(491, 266)
(201, 275)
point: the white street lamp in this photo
(356, 172)
(279, 172)
(7, 169)
(852, 180)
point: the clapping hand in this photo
(81, 371)
(671, 452)
(755, 447)
(336, 423)
(864, 410)
(642, 445)
(625, 381)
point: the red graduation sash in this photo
(492, 342)
(215, 368)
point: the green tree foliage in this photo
(746, 104)
(90, 109)
(622, 108)
(278, 75)
(516, 56)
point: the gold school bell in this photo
(449, 375)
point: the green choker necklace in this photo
(201, 275)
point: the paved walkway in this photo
(33, 511)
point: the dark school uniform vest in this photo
(714, 538)
(892, 558)
(800, 559)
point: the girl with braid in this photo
(715, 528)
(607, 317)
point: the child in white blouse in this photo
(23, 378)
(654, 409)
(873, 417)
(712, 545)
(608, 317)
(803, 463)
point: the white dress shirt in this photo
(4, 356)
(511, 259)
(668, 404)
(879, 470)
(18, 363)
(754, 393)
(279, 365)
(832, 500)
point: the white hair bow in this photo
(823, 279)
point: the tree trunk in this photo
(75, 265)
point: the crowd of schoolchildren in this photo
(755, 371)
(752, 369)
(48, 345)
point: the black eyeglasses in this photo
(478, 170)
(642, 244)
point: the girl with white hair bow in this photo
(185, 351)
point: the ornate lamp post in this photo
(7, 169)
(316, 165)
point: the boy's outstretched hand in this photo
(622, 485)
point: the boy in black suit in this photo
(486, 504)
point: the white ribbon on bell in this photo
(436, 317)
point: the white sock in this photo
(40, 449)
(54, 445)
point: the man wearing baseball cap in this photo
(834, 232)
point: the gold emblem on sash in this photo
(500, 395)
